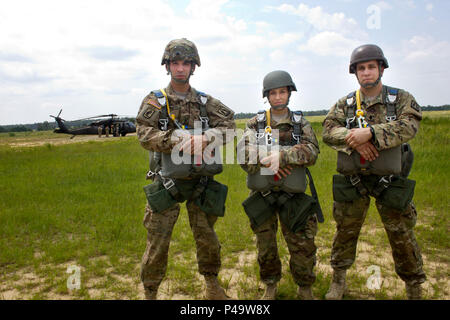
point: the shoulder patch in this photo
(148, 114)
(224, 111)
(415, 105)
(154, 103)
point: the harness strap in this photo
(383, 183)
(390, 98)
(169, 185)
(351, 110)
(355, 180)
(319, 212)
(203, 98)
(200, 187)
(297, 132)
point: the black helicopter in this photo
(117, 127)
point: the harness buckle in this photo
(391, 118)
(168, 183)
(386, 180)
(269, 139)
(266, 193)
(349, 121)
(355, 179)
(296, 137)
(150, 174)
(259, 135)
(205, 122)
(164, 123)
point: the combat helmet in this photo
(367, 52)
(181, 49)
(277, 79)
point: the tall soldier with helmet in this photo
(174, 120)
(370, 129)
(279, 144)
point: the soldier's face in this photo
(180, 70)
(368, 72)
(278, 96)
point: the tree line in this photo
(44, 126)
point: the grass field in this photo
(82, 204)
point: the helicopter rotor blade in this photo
(100, 116)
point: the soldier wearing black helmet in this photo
(370, 129)
(279, 193)
(177, 109)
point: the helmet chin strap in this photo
(373, 84)
(281, 106)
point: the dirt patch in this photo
(56, 140)
(239, 280)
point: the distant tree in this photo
(19, 128)
(43, 126)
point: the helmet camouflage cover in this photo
(181, 49)
(367, 52)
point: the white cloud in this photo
(429, 7)
(329, 43)
(383, 5)
(425, 49)
(320, 19)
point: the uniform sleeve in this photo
(404, 128)
(247, 149)
(148, 133)
(334, 128)
(221, 120)
(305, 153)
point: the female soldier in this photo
(282, 143)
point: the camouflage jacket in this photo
(387, 134)
(186, 111)
(303, 154)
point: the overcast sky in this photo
(103, 56)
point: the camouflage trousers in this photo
(350, 216)
(301, 246)
(159, 232)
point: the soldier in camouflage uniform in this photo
(278, 86)
(180, 58)
(382, 132)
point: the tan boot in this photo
(413, 291)
(271, 292)
(305, 293)
(337, 287)
(213, 289)
(150, 294)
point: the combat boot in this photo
(150, 294)
(271, 292)
(337, 286)
(213, 289)
(305, 293)
(413, 291)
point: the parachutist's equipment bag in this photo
(398, 195)
(297, 210)
(158, 197)
(212, 200)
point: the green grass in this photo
(82, 204)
